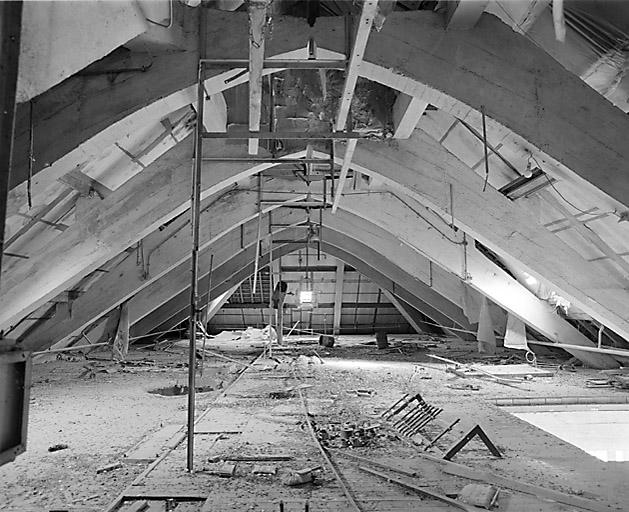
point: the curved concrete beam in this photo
(519, 86)
(167, 250)
(363, 258)
(422, 168)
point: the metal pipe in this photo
(257, 259)
(195, 215)
(441, 434)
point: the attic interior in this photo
(314, 255)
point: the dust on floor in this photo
(104, 413)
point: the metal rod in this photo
(441, 434)
(195, 215)
(286, 135)
(278, 63)
(485, 149)
(68, 349)
(204, 313)
(257, 260)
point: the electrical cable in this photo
(442, 233)
(550, 182)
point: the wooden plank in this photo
(389, 504)
(423, 491)
(515, 370)
(367, 16)
(347, 162)
(407, 111)
(402, 310)
(37, 217)
(452, 468)
(257, 20)
(149, 448)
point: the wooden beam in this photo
(402, 310)
(339, 279)
(407, 111)
(464, 14)
(347, 162)
(367, 16)
(257, 24)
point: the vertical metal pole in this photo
(195, 214)
(486, 150)
(10, 31)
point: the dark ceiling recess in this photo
(313, 9)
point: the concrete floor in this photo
(103, 417)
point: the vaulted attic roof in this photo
(497, 146)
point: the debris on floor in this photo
(410, 414)
(224, 470)
(303, 476)
(479, 495)
(109, 467)
(57, 447)
(264, 470)
(348, 434)
(352, 402)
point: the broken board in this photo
(514, 370)
(149, 448)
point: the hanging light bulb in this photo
(528, 172)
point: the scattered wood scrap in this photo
(109, 467)
(452, 468)
(421, 490)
